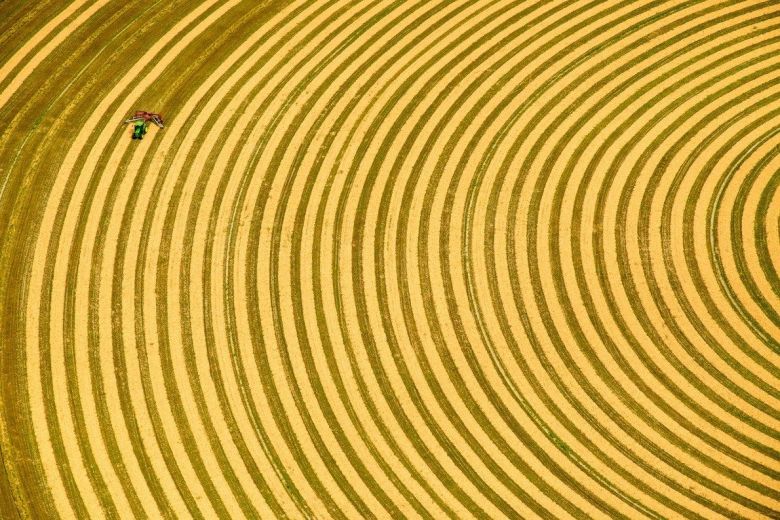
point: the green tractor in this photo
(141, 120)
(139, 129)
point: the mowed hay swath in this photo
(438, 259)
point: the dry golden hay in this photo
(390, 259)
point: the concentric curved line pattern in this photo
(390, 259)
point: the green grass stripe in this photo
(726, 286)
(761, 230)
(737, 237)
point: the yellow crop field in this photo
(390, 259)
